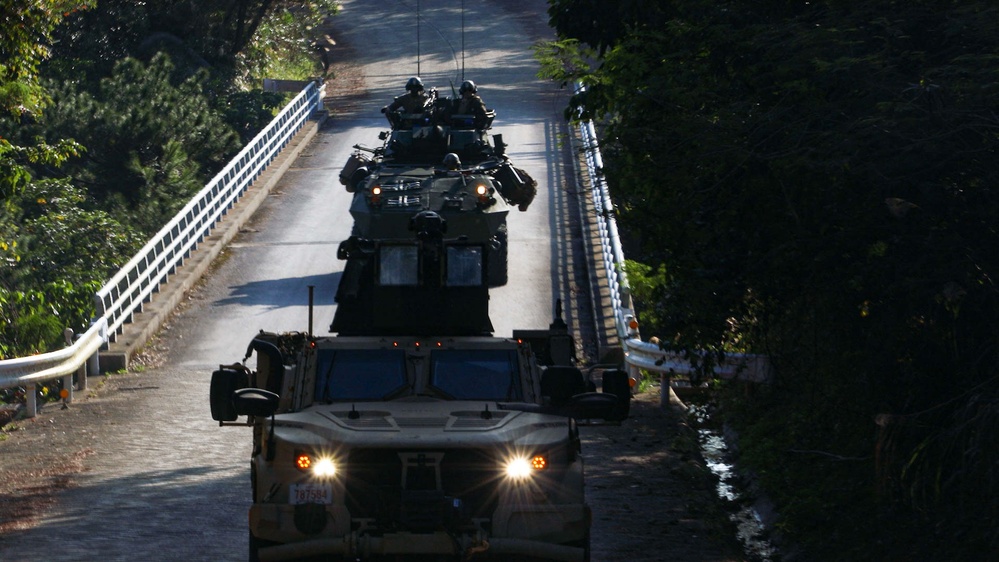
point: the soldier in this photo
(470, 102)
(414, 101)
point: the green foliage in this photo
(816, 181)
(151, 143)
(25, 33)
(241, 40)
(112, 115)
(33, 321)
(284, 46)
(602, 24)
(64, 242)
(249, 112)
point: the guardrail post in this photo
(67, 382)
(30, 400)
(81, 377)
(67, 389)
(93, 367)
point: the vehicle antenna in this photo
(312, 289)
(463, 40)
(418, 38)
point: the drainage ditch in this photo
(750, 515)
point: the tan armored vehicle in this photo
(429, 442)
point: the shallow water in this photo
(751, 529)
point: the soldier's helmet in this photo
(414, 85)
(451, 161)
(467, 86)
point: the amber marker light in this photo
(376, 194)
(539, 462)
(303, 461)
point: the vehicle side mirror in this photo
(225, 381)
(617, 383)
(593, 406)
(255, 402)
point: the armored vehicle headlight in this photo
(325, 468)
(483, 193)
(317, 466)
(520, 468)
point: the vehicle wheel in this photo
(498, 258)
(255, 546)
(585, 544)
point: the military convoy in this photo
(414, 433)
(444, 162)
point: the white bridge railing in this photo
(639, 354)
(134, 284)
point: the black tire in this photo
(255, 546)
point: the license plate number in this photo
(311, 493)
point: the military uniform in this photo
(471, 104)
(410, 102)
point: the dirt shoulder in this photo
(653, 498)
(41, 456)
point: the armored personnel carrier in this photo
(442, 162)
(414, 434)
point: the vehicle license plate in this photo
(310, 493)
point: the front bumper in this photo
(539, 531)
(408, 543)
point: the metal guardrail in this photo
(640, 354)
(134, 284)
(649, 356)
(613, 255)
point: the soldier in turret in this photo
(415, 100)
(470, 103)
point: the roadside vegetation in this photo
(112, 114)
(817, 182)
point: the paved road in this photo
(150, 476)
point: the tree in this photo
(151, 143)
(231, 39)
(816, 182)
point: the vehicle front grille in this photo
(419, 490)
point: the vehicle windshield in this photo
(476, 374)
(359, 374)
